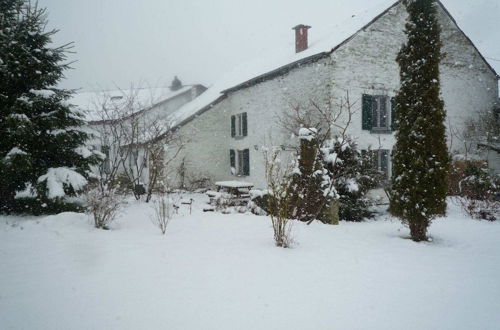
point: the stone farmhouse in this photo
(230, 122)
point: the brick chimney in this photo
(300, 37)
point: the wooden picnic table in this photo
(234, 187)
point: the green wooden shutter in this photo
(246, 162)
(366, 116)
(393, 114)
(245, 127)
(233, 126)
(232, 158)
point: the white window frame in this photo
(239, 125)
(239, 162)
(376, 115)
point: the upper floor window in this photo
(378, 113)
(239, 126)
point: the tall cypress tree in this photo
(421, 160)
(41, 144)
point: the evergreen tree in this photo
(421, 159)
(311, 186)
(41, 145)
(352, 175)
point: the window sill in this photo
(239, 137)
(381, 131)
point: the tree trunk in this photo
(418, 230)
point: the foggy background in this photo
(119, 42)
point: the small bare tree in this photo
(278, 171)
(164, 209)
(135, 139)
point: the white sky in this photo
(119, 42)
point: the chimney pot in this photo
(301, 37)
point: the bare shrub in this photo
(277, 174)
(103, 205)
(479, 192)
(164, 209)
(480, 209)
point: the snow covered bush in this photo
(479, 192)
(332, 177)
(352, 176)
(311, 190)
(331, 180)
(103, 204)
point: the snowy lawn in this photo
(215, 271)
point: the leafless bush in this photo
(103, 205)
(277, 175)
(480, 209)
(478, 192)
(164, 209)
(136, 140)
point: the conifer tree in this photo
(421, 159)
(41, 144)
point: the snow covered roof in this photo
(284, 60)
(90, 103)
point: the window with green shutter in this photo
(239, 125)
(376, 113)
(240, 162)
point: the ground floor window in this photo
(106, 164)
(240, 162)
(380, 160)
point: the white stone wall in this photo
(208, 153)
(364, 65)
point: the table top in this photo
(234, 184)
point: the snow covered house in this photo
(238, 115)
(147, 108)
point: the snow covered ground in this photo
(215, 271)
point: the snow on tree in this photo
(311, 186)
(352, 176)
(41, 144)
(421, 160)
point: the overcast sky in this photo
(119, 42)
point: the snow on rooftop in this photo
(91, 102)
(320, 40)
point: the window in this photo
(106, 164)
(239, 126)
(240, 162)
(134, 156)
(379, 160)
(378, 113)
